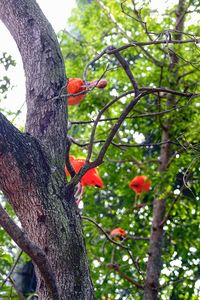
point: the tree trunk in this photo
(32, 163)
(154, 264)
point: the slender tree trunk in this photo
(154, 264)
(32, 163)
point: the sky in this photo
(57, 12)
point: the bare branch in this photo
(127, 69)
(192, 63)
(134, 44)
(98, 118)
(115, 243)
(169, 91)
(108, 141)
(125, 145)
(115, 128)
(146, 115)
(104, 232)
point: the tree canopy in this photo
(150, 59)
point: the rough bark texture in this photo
(154, 264)
(32, 163)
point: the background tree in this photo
(154, 66)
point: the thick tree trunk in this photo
(32, 164)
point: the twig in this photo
(185, 147)
(187, 174)
(127, 70)
(115, 129)
(134, 44)
(170, 209)
(117, 125)
(170, 91)
(104, 232)
(19, 293)
(138, 238)
(18, 112)
(176, 198)
(147, 115)
(112, 241)
(185, 60)
(74, 37)
(116, 268)
(98, 118)
(123, 145)
(12, 269)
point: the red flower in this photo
(77, 85)
(118, 233)
(90, 178)
(74, 86)
(140, 184)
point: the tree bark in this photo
(32, 163)
(154, 264)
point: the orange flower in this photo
(140, 184)
(77, 85)
(74, 86)
(90, 178)
(119, 233)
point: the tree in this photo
(32, 173)
(32, 163)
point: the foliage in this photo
(136, 148)
(6, 61)
(93, 28)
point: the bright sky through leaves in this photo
(57, 12)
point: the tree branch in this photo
(117, 269)
(22, 160)
(145, 115)
(125, 145)
(127, 69)
(37, 255)
(108, 141)
(134, 44)
(44, 72)
(115, 243)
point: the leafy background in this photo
(93, 26)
